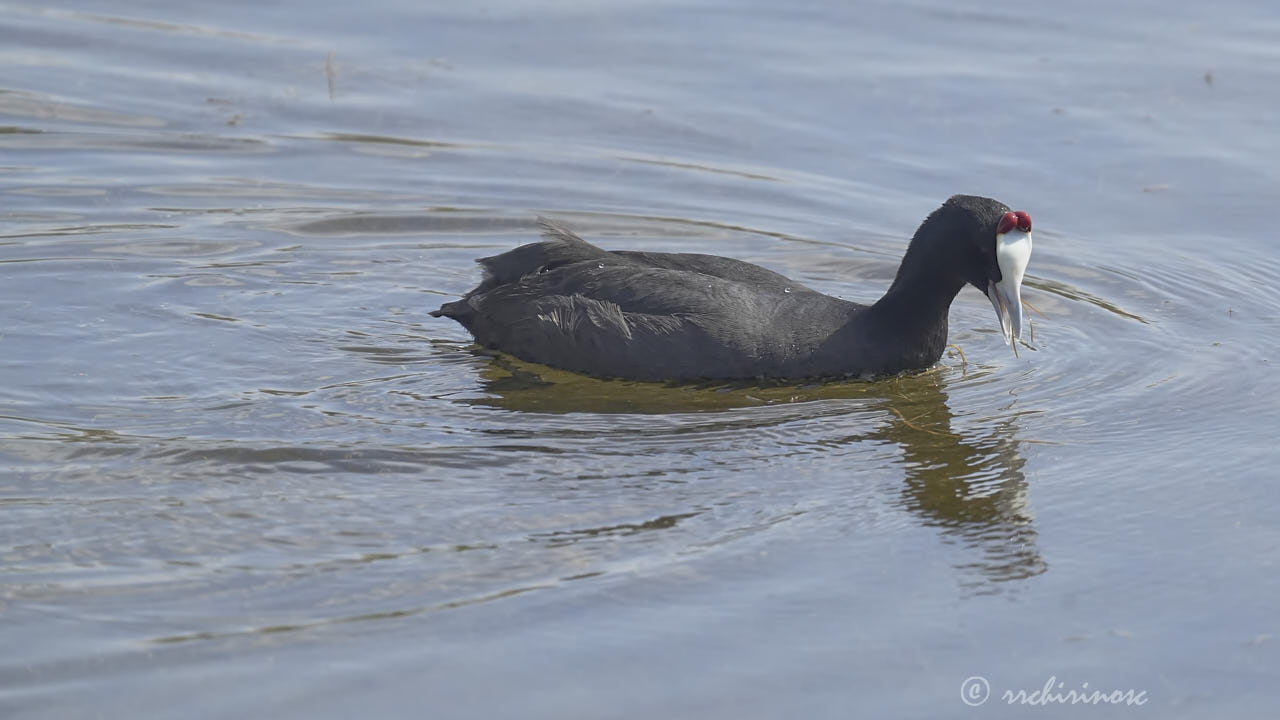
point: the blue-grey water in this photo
(243, 474)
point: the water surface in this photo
(242, 471)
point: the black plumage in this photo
(674, 316)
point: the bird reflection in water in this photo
(970, 484)
(967, 482)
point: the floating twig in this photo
(913, 426)
(1034, 309)
(330, 73)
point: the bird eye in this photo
(1009, 222)
(1024, 221)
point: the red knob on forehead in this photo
(1024, 221)
(1007, 223)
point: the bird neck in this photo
(920, 299)
(914, 310)
(926, 283)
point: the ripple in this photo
(175, 247)
(153, 25)
(446, 221)
(167, 142)
(252, 188)
(44, 107)
(700, 168)
(59, 191)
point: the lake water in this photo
(243, 474)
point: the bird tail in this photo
(459, 310)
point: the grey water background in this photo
(242, 472)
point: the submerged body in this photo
(673, 316)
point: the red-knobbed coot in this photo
(674, 316)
